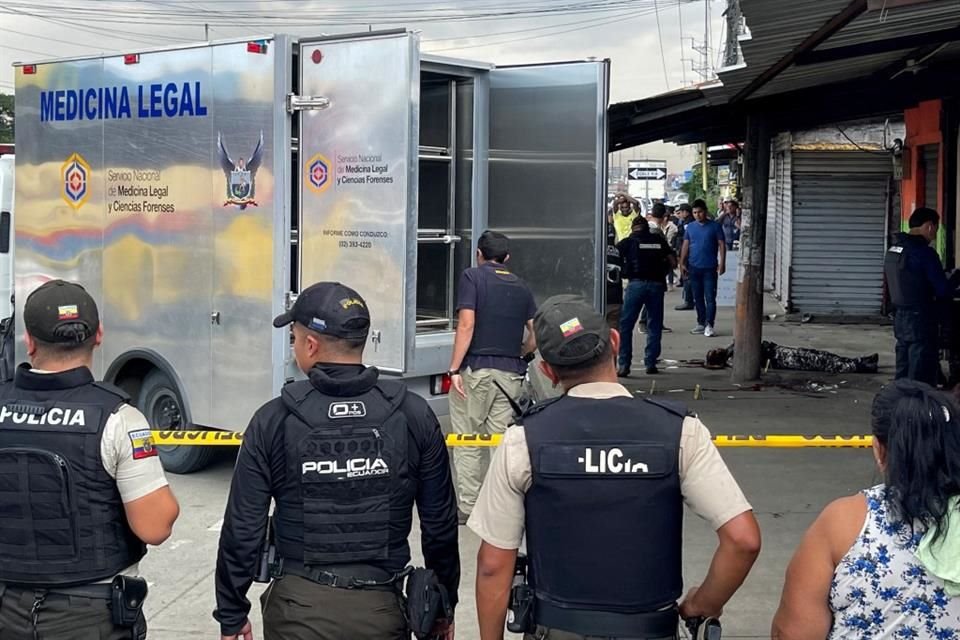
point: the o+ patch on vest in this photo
(142, 442)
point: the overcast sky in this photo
(626, 31)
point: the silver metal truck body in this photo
(194, 190)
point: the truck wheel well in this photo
(130, 376)
(130, 370)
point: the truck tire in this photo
(160, 402)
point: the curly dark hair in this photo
(919, 428)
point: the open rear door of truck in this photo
(358, 179)
(547, 178)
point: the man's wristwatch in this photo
(453, 372)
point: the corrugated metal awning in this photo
(801, 46)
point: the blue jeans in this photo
(703, 283)
(639, 294)
(918, 357)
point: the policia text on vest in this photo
(343, 457)
(84, 492)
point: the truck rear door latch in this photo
(306, 103)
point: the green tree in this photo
(694, 188)
(6, 117)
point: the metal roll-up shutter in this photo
(784, 237)
(770, 245)
(840, 203)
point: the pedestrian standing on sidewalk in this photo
(489, 357)
(684, 217)
(646, 259)
(730, 221)
(626, 210)
(703, 260)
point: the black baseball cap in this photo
(569, 331)
(329, 308)
(57, 304)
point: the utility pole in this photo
(748, 326)
(731, 54)
(707, 28)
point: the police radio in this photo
(520, 609)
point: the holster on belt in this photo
(127, 595)
(427, 602)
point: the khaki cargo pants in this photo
(485, 410)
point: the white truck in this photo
(194, 190)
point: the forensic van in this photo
(194, 190)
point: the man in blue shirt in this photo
(917, 283)
(703, 259)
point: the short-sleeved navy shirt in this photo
(470, 296)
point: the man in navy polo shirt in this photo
(703, 260)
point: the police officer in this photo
(916, 282)
(647, 258)
(597, 480)
(344, 455)
(84, 491)
(490, 356)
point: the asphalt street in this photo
(786, 487)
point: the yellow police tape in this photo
(230, 438)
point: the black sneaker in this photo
(684, 307)
(651, 371)
(622, 373)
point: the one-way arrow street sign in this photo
(647, 173)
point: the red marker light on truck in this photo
(256, 47)
(29, 69)
(316, 56)
(441, 385)
(131, 58)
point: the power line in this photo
(185, 16)
(544, 35)
(683, 67)
(31, 35)
(663, 57)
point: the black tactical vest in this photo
(501, 315)
(61, 516)
(908, 287)
(346, 462)
(604, 514)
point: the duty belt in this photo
(100, 591)
(357, 576)
(647, 625)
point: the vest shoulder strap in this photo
(394, 392)
(676, 408)
(296, 392)
(122, 396)
(535, 409)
